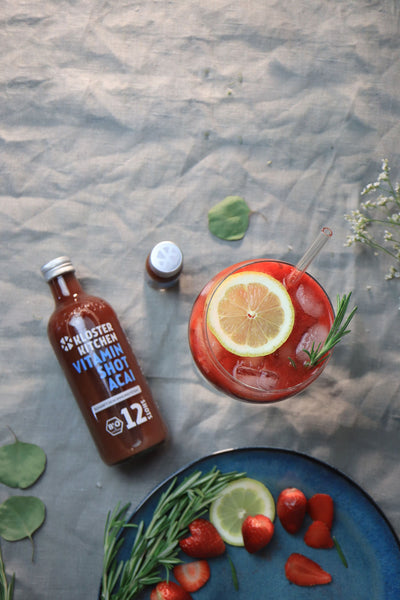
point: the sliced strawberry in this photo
(320, 507)
(169, 590)
(192, 576)
(257, 532)
(291, 509)
(318, 535)
(305, 572)
(204, 541)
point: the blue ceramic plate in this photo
(367, 539)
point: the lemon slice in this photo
(251, 314)
(238, 500)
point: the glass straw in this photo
(310, 254)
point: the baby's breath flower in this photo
(382, 201)
(367, 204)
(370, 188)
(392, 274)
(383, 176)
(375, 213)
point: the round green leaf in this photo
(21, 464)
(20, 516)
(229, 219)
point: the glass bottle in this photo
(164, 265)
(101, 369)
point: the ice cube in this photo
(316, 334)
(256, 377)
(309, 301)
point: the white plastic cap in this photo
(166, 259)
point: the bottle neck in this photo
(65, 288)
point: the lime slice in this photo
(251, 314)
(237, 501)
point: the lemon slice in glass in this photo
(238, 500)
(251, 314)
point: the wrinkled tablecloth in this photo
(121, 124)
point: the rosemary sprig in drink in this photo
(156, 546)
(337, 332)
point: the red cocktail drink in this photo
(281, 374)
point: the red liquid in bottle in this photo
(101, 369)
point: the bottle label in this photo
(96, 408)
(98, 350)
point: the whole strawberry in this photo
(291, 509)
(169, 590)
(257, 532)
(204, 541)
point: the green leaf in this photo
(21, 464)
(20, 516)
(229, 219)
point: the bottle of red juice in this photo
(101, 368)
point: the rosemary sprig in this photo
(156, 546)
(6, 588)
(319, 354)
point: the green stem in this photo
(376, 246)
(385, 221)
(6, 588)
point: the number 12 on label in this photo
(140, 417)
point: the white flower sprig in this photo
(383, 213)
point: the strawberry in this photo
(257, 532)
(192, 576)
(318, 535)
(320, 508)
(204, 541)
(169, 590)
(291, 509)
(305, 572)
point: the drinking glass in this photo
(283, 373)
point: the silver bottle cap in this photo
(166, 259)
(56, 267)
